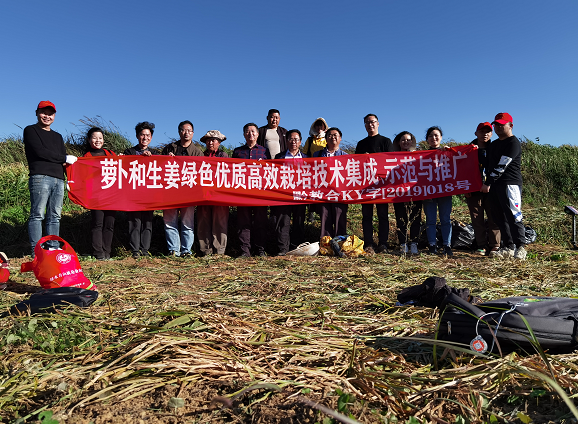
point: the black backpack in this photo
(504, 325)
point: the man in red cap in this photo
(46, 156)
(504, 183)
(488, 242)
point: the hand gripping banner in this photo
(130, 183)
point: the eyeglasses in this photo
(295, 139)
(371, 122)
(333, 136)
(186, 131)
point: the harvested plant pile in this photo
(278, 340)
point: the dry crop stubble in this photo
(206, 329)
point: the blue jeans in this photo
(180, 241)
(430, 207)
(46, 196)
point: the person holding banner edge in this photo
(46, 157)
(102, 222)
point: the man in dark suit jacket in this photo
(272, 136)
(287, 239)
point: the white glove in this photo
(70, 159)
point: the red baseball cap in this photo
(503, 118)
(484, 124)
(46, 103)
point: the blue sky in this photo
(222, 64)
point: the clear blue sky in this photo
(222, 64)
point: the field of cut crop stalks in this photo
(279, 340)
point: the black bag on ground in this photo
(463, 236)
(50, 299)
(553, 320)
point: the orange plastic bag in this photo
(57, 268)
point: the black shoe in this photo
(146, 254)
(382, 248)
(448, 251)
(282, 254)
(186, 255)
(135, 255)
(245, 255)
(262, 254)
(433, 250)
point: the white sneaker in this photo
(505, 253)
(413, 249)
(520, 253)
(403, 249)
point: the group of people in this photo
(499, 197)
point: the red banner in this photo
(163, 182)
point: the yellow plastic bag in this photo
(351, 246)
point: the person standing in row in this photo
(140, 223)
(180, 238)
(102, 222)
(407, 214)
(272, 136)
(315, 143)
(213, 220)
(487, 241)
(504, 183)
(250, 219)
(333, 215)
(443, 204)
(289, 237)
(46, 157)
(374, 143)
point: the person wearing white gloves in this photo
(46, 156)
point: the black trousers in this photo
(251, 223)
(140, 230)
(333, 219)
(503, 200)
(102, 224)
(367, 223)
(289, 237)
